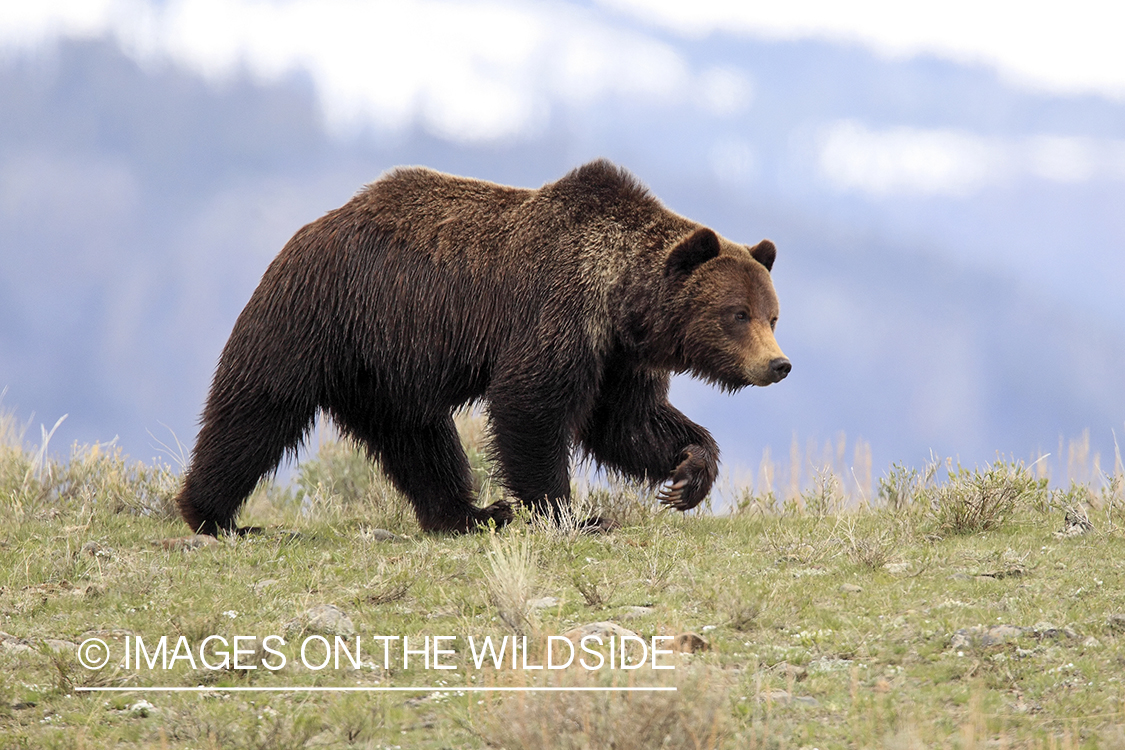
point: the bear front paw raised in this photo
(691, 480)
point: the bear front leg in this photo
(530, 444)
(428, 465)
(634, 430)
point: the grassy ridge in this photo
(956, 608)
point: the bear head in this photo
(726, 310)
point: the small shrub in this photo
(827, 495)
(904, 487)
(748, 503)
(594, 596)
(472, 426)
(100, 473)
(744, 614)
(567, 525)
(341, 483)
(982, 500)
(1110, 499)
(97, 475)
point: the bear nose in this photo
(779, 368)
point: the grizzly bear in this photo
(563, 309)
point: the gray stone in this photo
(798, 673)
(141, 708)
(323, 619)
(545, 602)
(1044, 629)
(603, 630)
(11, 643)
(94, 549)
(961, 639)
(998, 634)
(635, 612)
(984, 637)
(251, 653)
(1075, 523)
(690, 643)
(774, 696)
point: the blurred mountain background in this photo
(951, 238)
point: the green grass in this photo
(835, 616)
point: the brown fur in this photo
(565, 309)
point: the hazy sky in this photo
(487, 70)
(483, 69)
(1063, 46)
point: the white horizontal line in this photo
(318, 689)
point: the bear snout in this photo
(779, 368)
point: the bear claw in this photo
(672, 496)
(690, 481)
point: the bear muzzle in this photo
(779, 368)
(767, 371)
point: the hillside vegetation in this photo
(946, 606)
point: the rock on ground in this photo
(323, 619)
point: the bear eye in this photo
(741, 316)
(773, 324)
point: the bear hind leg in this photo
(237, 445)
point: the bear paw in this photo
(501, 511)
(691, 480)
(598, 525)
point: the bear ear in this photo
(765, 253)
(700, 246)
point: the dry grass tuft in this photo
(696, 715)
(510, 578)
(802, 545)
(872, 550)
